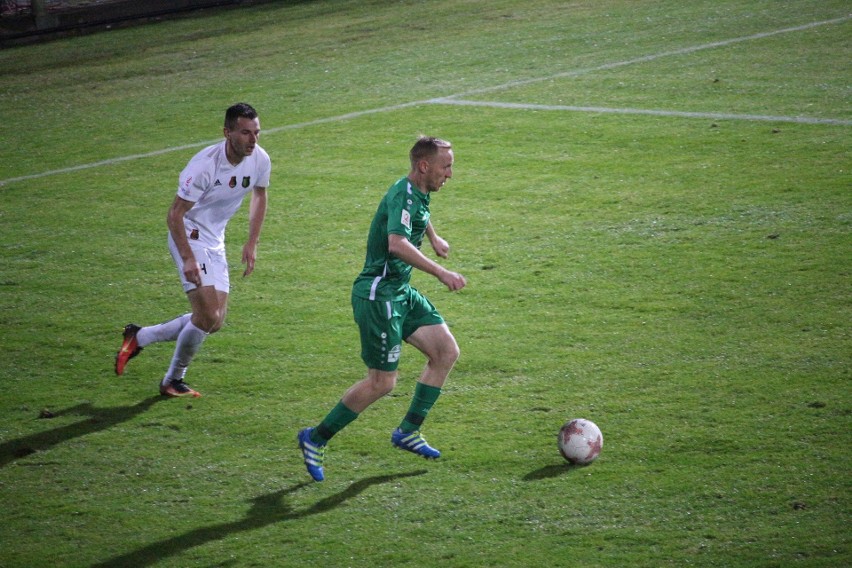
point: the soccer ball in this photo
(580, 441)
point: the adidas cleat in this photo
(312, 454)
(415, 443)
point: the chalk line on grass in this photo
(647, 58)
(456, 99)
(118, 160)
(670, 113)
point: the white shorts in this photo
(214, 267)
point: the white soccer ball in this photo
(580, 441)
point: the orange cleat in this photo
(178, 388)
(129, 348)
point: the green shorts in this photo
(384, 325)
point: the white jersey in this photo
(217, 188)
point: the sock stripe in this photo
(415, 418)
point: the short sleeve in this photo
(264, 171)
(192, 183)
(399, 214)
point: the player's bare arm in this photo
(257, 213)
(401, 248)
(179, 208)
(440, 246)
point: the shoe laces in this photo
(179, 385)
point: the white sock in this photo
(188, 342)
(167, 331)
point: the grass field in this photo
(652, 204)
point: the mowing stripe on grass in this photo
(454, 99)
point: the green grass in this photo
(682, 281)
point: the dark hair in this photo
(237, 111)
(426, 147)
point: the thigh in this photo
(213, 263)
(209, 307)
(420, 313)
(380, 327)
(218, 274)
(433, 341)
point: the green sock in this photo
(336, 420)
(424, 399)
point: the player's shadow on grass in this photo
(97, 419)
(266, 510)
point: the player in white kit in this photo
(210, 191)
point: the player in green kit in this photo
(389, 311)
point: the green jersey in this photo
(404, 210)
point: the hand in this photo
(441, 247)
(192, 272)
(452, 280)
(249, 256)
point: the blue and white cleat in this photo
(312, 454)
(415, 443)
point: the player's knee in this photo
(210, 321)
(447, 353)
(382, 382)
(386, 385)
(454, 356)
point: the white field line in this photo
(673, 113)
(266, 131)
(646, 58)
(449, 99)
